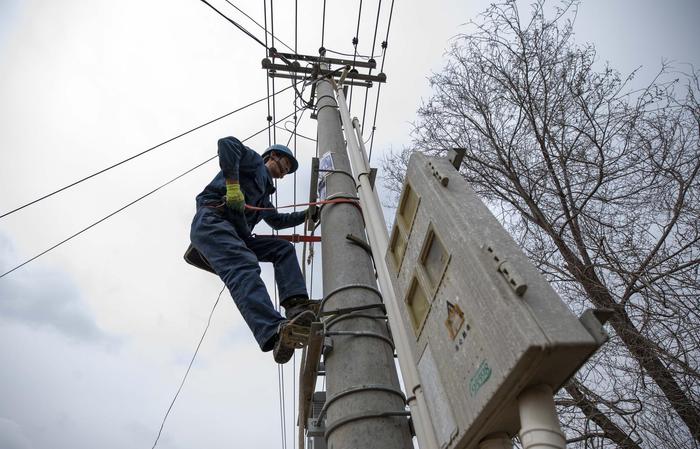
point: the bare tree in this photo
(599, 183)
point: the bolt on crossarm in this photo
(364, 404)
(379, 242)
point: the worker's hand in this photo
(234, 197)
(313, 214)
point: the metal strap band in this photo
(359, 389)
(362, 334)
(352, 418)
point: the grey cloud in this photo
(12, 436)
(38, 297)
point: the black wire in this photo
(134, 156)
(296, 111)
(348, 54)
(272, 21)
(258, 24)
(374, 43)
(267, 81)
(296, 121)
(283, 406)
(236, 24)
(354, 57)
(188, 368)
(294, 134)
(274, 103)
(127, 205)
(323, 24)
(379, 88)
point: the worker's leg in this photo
(238, 267)
(281, 253)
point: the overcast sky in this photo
(96, 335)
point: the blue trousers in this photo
(236, 261)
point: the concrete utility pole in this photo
(365, 407)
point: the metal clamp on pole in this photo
(359, 389)
(352, 418)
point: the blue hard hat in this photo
(278, 148)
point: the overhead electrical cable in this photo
(355, 41)
(280, 367)
(184, 378)
(296, 108)
(296, 121)
(385, 45)
(323, 24)
(348, 54)
(236, 24)
(126, 206)
(259, 26)
(274, 103)
(374, 43)
(136, 155)
(296, 134)
(267, 81)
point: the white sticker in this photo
(326, 163)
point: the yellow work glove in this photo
(234, 197)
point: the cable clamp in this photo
(348, 287)
(358, 389)
(360, 416)
(369, 334)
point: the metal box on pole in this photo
(486, 324)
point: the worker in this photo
(221, 232)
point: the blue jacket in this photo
(240, 162)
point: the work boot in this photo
(298, 304)
(292, 334)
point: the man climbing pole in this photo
(221, 233)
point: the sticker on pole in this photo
(325, 166)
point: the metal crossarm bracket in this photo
(371, 64)
(274, 74)
(295, 67)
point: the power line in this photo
(328, 50)
(134, 156)
(385, 44)
(188, 368)
(374, 43)
(323, 24)
(125, 206)
(267, 81)
(259, 26)
(355, 41)
(235, 24)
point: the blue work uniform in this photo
(235, 256)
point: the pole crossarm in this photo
(300, 77)
(273, 53)
(295, 67)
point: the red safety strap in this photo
(294, 238)
(317, 203)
